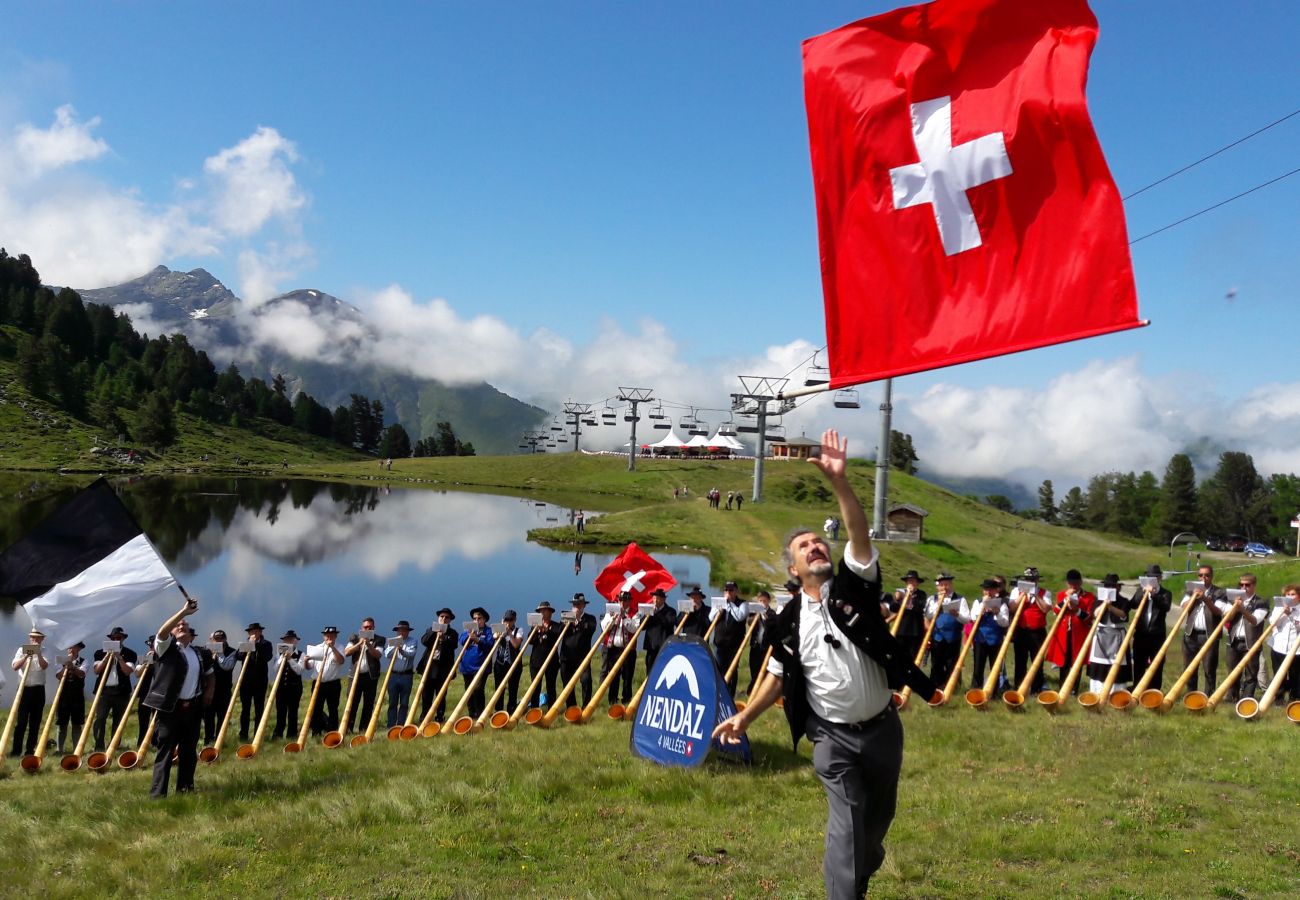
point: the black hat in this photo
(445, 612)
(218, 635)
(509, 615)
(290, 635)
(989, 584)
(1111, 580)
(729, 586)
(545, 606)
(1154, 569)
(191, 631)
(658, 592)
(116, 634)
(402, 625)
(912, 573)
(254, 626)
(150, 639)
(79, 645)
(696, 592)
(943, 576)
(1031, 573)
(1073, 575)
(579, 598)
(624, 595)
(330, 629)
(478, 609)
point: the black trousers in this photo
(178, 731)
(477, 699)
(114, 703)
(548, 682)
(287, 700)
(1248, 683)
(726, 652)
(510, 699)
(367, 687)
(567, 669)
(1025, 645)
(1289, 689)
(252, 699)
(213, 712)
(72, 714)
(1145, 648)
(943, 656)
(325, 717)
(620, 689)
(429, 688)
(756, 654)
(1192, 643)
(984, 655)
(28, 719)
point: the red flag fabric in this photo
(636, 571)
(964, 207)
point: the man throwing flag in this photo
(836, 663)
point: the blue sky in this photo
(587, 174)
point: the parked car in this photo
(1256, 549)
(1213, 544)
(1235, 544)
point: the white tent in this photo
(701, 441)
(670, 441)
(725, 440)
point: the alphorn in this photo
(897, 622)
(248, 751)
(131, 758)
(1053, 701)
(373, 725)
(428, 727)
(72, 762)
(619, 711)
(296, 746)
(210, 754)
(501, 687)
(1196, 701)
(462, 724)
(334, 739)
(1248, 708)
(740, 704)
(735, 660)
(102, 762)
(901, 698)
(1015, 700)
(1098, 701)
(1123, 699)
(979, 697)
(590, 709)
(951, 686)
(31, 763)
(12, 722)
(395, 733)
(1211, 641)
(557, 705)
(500, 719)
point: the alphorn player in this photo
(143, 714)
(31, 704)
(1208, 604)
(1107, 639)
(660, 627)
(223, 658)
(543, 640)
(72, 702)
(117, 689)
(946, 636)
(612, 648)
(478, 643)
(366, 650)
(1032, 630)
(1242, 631)
(508, 650)
(574, 649)
(182, 678)
(327, 665)
(990, 631)
(1286, 628)
(911, 606)
(757, 638)
(400, 653)
(836, 662)
(729, 633)
(697, 620)
(1076, 606)
(443, 659)
(288, 696)
(1151, 630)
(252, 690)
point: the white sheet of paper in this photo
(534, 619)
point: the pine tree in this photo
(1047, 502)
(1071, 513)
(396, 443)
(1178, 502)
(155, 425)
(902, 455)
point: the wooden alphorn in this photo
(1211, 640)
(1067, 686)
(735, 660)
(373, 725)
(334, 739)
(897, 622)
(618, 711)
(500, 720)
(951, 686)
(1015, 700)
(1248, 708)
(901, 698)
(11, 723)
(1099, 701)
(395, 733)
(1196, 701)
(428, 727)
(210, 754)
(131, 758)
(590, 709)
(31, 763)
(501, 688)
(557, 706)
(462, 724)
(248, 751)
(1123, 699)
(296, 746)
(102, 762)
(979, 697)
(72, 762)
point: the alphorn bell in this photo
(1196, 701)
(72, 762)
(12, 722)
(500, 720)
(557, 706)
(1123, 699)
(501, 687)
(131, 758)
(296, 746)
(901, 697)
(1054, 701)
(428, 727)
(395, 733)
(248, 751)
(1247, 708)
(1098, 701)
(1211, 641)
(210, 754)
(951, 686)
(979, 697)
(32, 762)
(373, 725)
(618, 711)
(590, 709)
(334, 739)
(462, 724)
(1015, 700)
(102, 762)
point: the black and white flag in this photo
(83, 568)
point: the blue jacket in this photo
(477, 652)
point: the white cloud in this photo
(254, 184)
(67, 141)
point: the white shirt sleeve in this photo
(868, 570)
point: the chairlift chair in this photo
(661, 426)
(816, 375)
(608, 414)
(847, 399)
(631, 418)
(657, 414)
(557, 427)
(700, 427)
(775, 434)
(747, 429)
(727, 429)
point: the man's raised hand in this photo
(834, 454)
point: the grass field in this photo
(991, 805)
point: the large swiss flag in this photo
(634, 571)
(964, 207)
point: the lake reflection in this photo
(303, 555)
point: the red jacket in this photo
(1068, 640)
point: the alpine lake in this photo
(292, 553)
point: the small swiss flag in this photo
(964, 207)
(635, 571)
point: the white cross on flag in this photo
(636, 572)
(964, 207)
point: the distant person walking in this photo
(740, 498)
